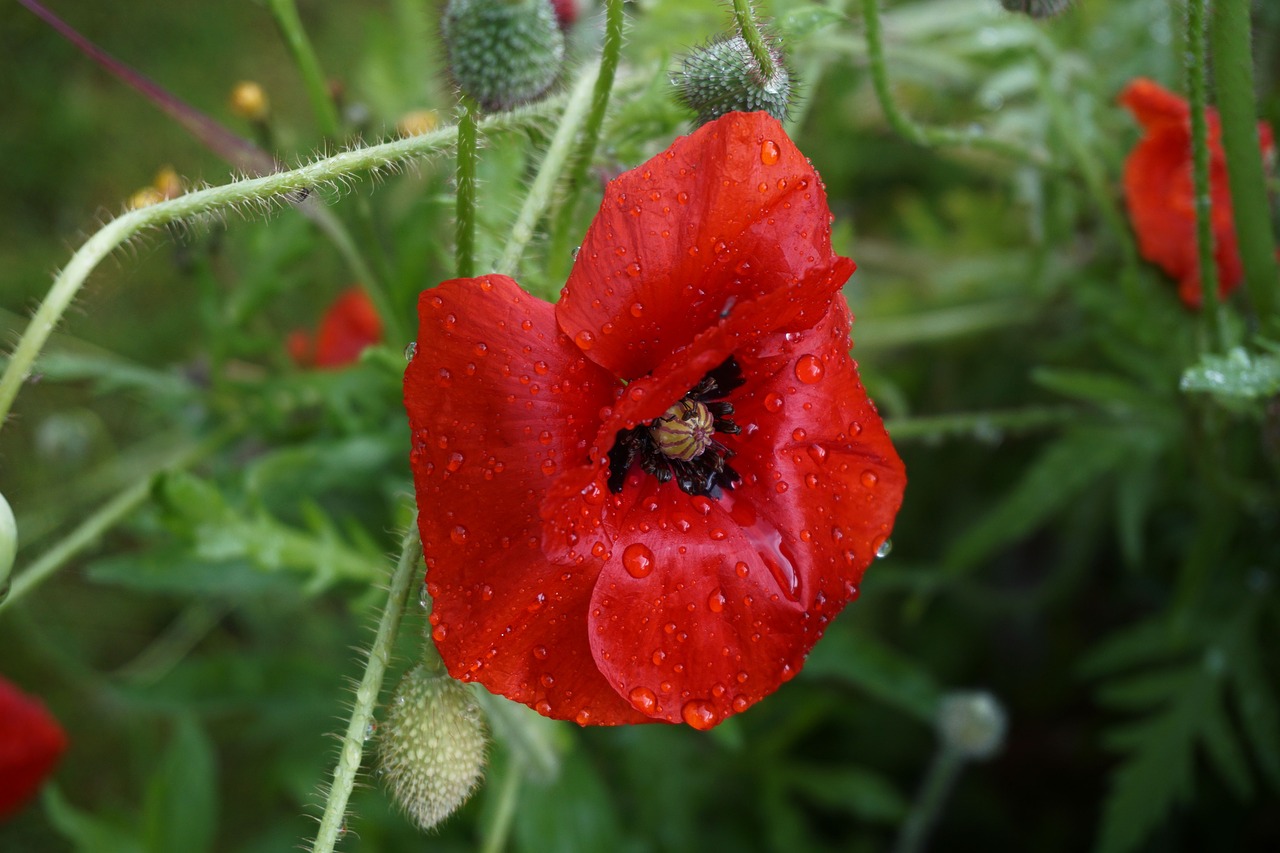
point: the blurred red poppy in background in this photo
(647, 501)
(31, 741)
(350, 325)
(1160, 190)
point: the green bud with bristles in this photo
(723, 76)
(503, 53)
(1036, 8)
(432, 746)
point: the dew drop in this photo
(633, 269)
(411, 350)
(682, 197)
(769, 152)
(637, 309)
(455, 462)
(583, 717)
(637, 559)
(644, 700)
(715, 602)
(699, 713)
(798, 434)
(884, 548)
(584, 340)
(869, 479)
(773, 402)
(548, 466)
(540, 652)
(458, 535)
(809, 369)
(742, 569)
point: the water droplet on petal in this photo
(884, 548)
(715, 602)
(411, 350)
(637, 559)
(455, 462)
(458, 535)
(773, 402)
(769, 152)
(869, 479)
(809, 369)
(644, 700)
(699, 713)
(584, 340)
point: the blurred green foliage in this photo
(1090, 531)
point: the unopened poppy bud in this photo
(723, 77)
(418, 122)
(432, 746)
(167, 183)
(249, 101)
(145, 197)
(503, 53)
(972, 723)
(1036, 8)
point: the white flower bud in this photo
(972, 723)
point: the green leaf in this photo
(180, 811)
(1065, 470)
(1136, 644)
(175, 570)
(1102, 389)
(572, 815)
(1145, 690)
(807, 18)
(1259, 711)
(860, 793)
(1224, 749)
(878, 670)
(89, 833)
(1235, 376)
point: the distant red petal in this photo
(499, 400)
(301, 347)
(31, 741)
(1154, 106)
(729, 213)
(350, 325)
(732, 593)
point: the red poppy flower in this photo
(350, 325)
(647, 501)
(566, 12)
(30, 743)
(1160, 190)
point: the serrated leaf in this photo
(1136, 644)
(1235, 376)
(1103, 389)
(175, 570)
(877, 669)
(1223, 747)
(87, 832)
(180, 810)
(1145, 690)
(1259, 711)
(1069, 466)
(861, 793)
(1135, 492)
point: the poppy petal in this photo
(706, 606)
(498, 399)
(1153, 105)
(31, 741)
(349, 326)
(726, 214)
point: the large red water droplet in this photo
(643, 699)
(810, 369)
(699, 713)
(637, 559)
(769, 152)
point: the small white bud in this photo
(972, 723)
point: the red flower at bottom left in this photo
(31, 741)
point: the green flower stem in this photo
(943, 324)
(929, 137)
(553, 164)
(352, 751)
(938, 782)
(1200, 171)
(495, 837)
(745, 17)
(279, 186)
(108, 516)
(610, 53)
(465, 211)
(285, 13)
(1231, 42)
(980, 424)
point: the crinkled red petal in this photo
(577, 512)
(705, 606)
(725, 215)
(499, 400)
(31, 741)
(350, 325)
(1154, 106)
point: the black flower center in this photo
(681, 443)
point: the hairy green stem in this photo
(495, 836)
(285, 13)
(981, 424)
(106, 517)
(352, 751)
(1196, 61)
(746, 19)
(610, 53)
(553, 163)
(1232, 42)
(929, 137)
(287, 186)
(465, 209)
(932, 799)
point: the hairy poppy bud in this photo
(972, 723)
(723, 76)
(417, 122)
(249, 101)
(1036, 8)
(433, 746)
(167, 183)
(503, 53)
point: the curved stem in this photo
(1232, 43)
(285, 13)
(289, 186)
(981, 424)
(929, 137)
(352, 751)
(465, 209)
(1200, 170)
(495, 837)
(743, 14)
(938, 782)
(553, 163)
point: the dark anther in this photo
(680, 445)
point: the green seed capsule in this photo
(684, 430)
(503, 53)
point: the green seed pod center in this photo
(684, 430)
